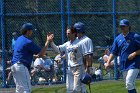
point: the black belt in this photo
(74, 66)
(19, 62)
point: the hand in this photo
(36, 56)
(89, 70)
(58, 61)
(50, 37)
(107, 65)
(132, 56)
(8, 69)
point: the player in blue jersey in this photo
(24, 50)
(127, 45)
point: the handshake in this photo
(50, 37)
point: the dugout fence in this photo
(100, 17)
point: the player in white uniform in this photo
(87, 46)
(74, 55)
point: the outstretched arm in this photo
(108, 64)
(43, 50)
(56, 49)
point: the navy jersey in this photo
(23, 51)
(124, 46)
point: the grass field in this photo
(96, 87)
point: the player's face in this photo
(124, 28)
(79, 35)
(30, 32)
(69, 34)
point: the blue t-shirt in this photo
(13, 43)
(23, 51)
(124, 46)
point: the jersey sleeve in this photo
(114, 49)
(137, 41)
(62, 47)
(32, 47)
(87, 47)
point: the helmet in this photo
(124, 22)
(27, 26)
(86, 78)
(79, 26)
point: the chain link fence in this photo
(101, 18)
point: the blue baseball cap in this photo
(27, 26)
(80, 27)
(124, 22)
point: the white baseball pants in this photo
(130, 78)
(21, 78)
(73, 82)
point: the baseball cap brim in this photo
(123, 25)
(124, 22)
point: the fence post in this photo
(68, 11)
(114, 28)
(3, 45)
(63, 35)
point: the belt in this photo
(19, 62)
(74, 66)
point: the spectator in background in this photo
(9, 73)
(110, 71)
(98, 73)
(106, 56)
(43, 67)
(58, 65)
(14, 34)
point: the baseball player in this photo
(74, 55)
(127, 45)
(87, 46)
(22, 58)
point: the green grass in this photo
(56, 89)
(96, 87)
